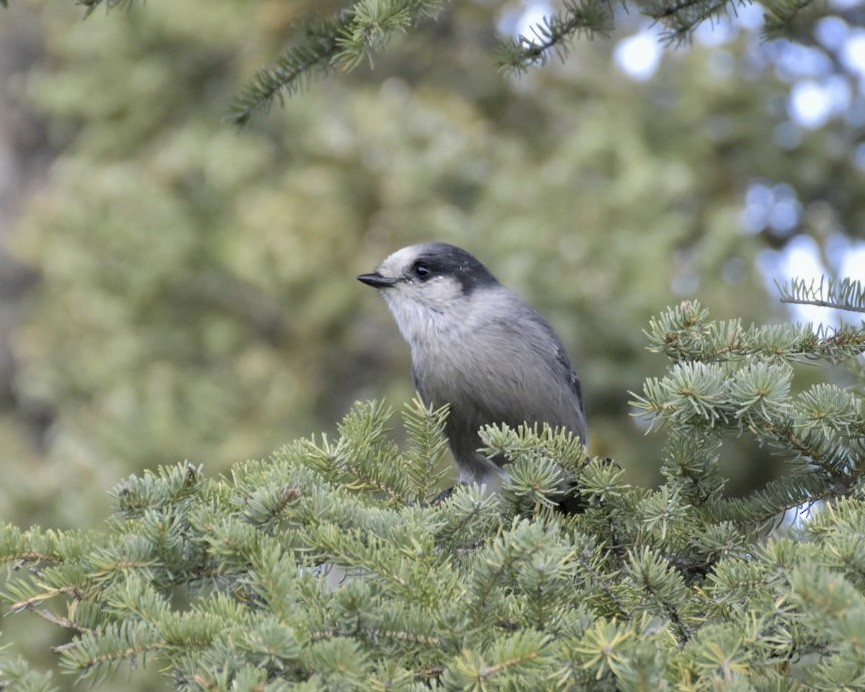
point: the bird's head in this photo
(429, 284)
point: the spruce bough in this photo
(326, 566)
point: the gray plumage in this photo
(480, 348)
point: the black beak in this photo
(376, 280)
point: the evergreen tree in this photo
(224, 582)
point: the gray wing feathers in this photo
(508, 370)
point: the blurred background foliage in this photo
(173, 288)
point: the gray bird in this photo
(480, 348)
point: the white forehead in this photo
(395, 264)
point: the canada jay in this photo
(480, 348)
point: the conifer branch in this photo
(780, 16)
(15, 674)
(96, 653)
(724, 377)
(424, 462)
(313, 53)
(766, 506)
(681, 17)
(846, 294)
(685, 332)
(691, 465)
(554, 33)
(345, 41)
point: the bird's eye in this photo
(421, 270)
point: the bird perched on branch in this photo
(478, 347)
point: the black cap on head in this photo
(444, 259)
